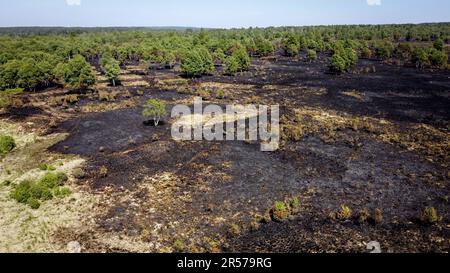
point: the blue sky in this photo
(214, 13)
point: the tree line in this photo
(34, 59)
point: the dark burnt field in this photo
(375, 139)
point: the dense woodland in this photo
(36, 58)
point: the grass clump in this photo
(220, 94)
(280, 211)
(178, 246)
(429, 216)
(344, 213)
(7, 144)
(33, 193)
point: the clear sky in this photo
(219, 13)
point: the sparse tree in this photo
(154, 109)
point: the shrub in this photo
(344, 213)
(207, 61)
(197, 62)
(311, 54)
(439, 45)
(103, 172)
(242, 59)
(33, 203)
(30, 192)
(219, 56)
(192, 63)
(419, 58)
(437, 58)
(264, 47)
(42, 166)
(62, 192)
(77, 73)
(220, 94)
(366, 52)
(205, 94)
(154, 109)
(338, 64)
(112, 70)
(178, 246)
(7, 144)
(231, 66)
(53, 180)
(280, 211)
(294, 204)
(429, 216)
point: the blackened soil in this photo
(214, 184)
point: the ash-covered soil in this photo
(217, 196)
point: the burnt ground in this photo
(211, 196)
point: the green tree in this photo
(192, 63)
(77, 73)
(242, 58)
(207, 62)
(9, 74)
(419, 58)
(29, 74)
(338, 64)
(437, 57)
(231, 66)
(311, 55)
(111, 67)
(439, 44)
(154, 109)
(219, 56)
(264, 47)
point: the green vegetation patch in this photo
(7, 144)
(33, 193)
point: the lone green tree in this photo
(111, 67)
(155, 110)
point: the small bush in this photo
(42, 166)
(311, 55)
(231, 66)
(294, 204)
(338, 64)
(30, 193)
(429, 216)
(280, 212)
(7, 144)
(178, 246)
(344, 213)
(103, 172)
(220, 94)
(33, 203)
(62, 192)
(205, 94)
